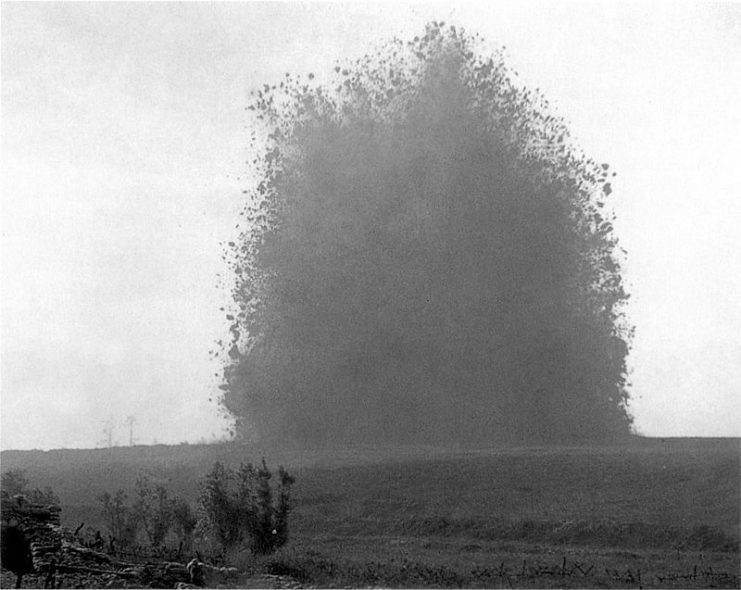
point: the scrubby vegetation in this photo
(239, 507)
(235, 510)
(422, 516)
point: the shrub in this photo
(237, 508)
(183, 523)
(153, 510)
(118, 517)
(217, 515)
(154, 514)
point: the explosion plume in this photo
(427, 258)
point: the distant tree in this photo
(427, 256)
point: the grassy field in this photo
(651, 513)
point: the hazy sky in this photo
(124, 140)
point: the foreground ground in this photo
(652, 513)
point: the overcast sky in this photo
(123, 149)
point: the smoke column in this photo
(426, 259)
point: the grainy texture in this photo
(420, 516)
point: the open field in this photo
(651, 513)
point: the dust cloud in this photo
(426, 259)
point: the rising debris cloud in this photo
(426, 259)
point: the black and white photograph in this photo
(370, 294)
